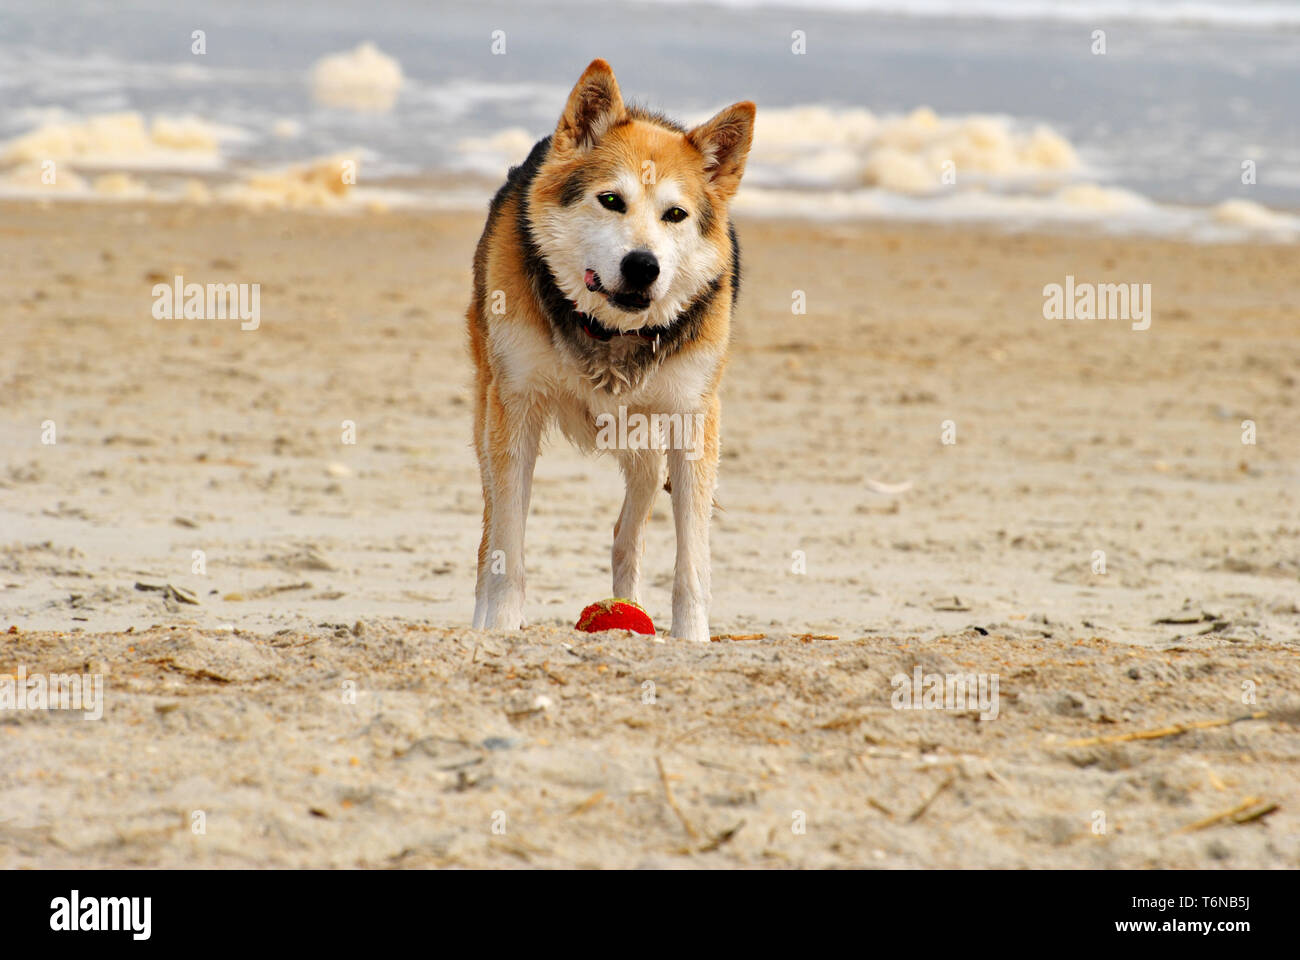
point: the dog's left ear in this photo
(725, 140)
(594, 106)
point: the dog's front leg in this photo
(693, 474)
(642, 476)
(507, 455)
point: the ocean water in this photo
(1035, 122)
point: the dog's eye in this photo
(611, 201)
(674, 214)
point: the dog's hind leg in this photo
(484, 556)
(484, 472)
(511, 432)
(642, 474)
(693, 474)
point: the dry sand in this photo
(331, 567)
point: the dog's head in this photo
(630, 209)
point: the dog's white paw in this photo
(505, 612)
(505, 621)
(692, 626)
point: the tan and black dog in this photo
(604, 286)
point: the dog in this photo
(604, 286)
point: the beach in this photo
(263, 540)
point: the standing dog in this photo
(604, 284)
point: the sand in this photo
(325, 704)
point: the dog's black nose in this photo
(639, 269)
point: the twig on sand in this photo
(720, 839)
(1263, 810)
(873, 802)
(920, 811)
(167, 663)
(845, 722)
(527, 712)
(672, 803)
(1252, 808)
(1171, 731)
(587, 804)
(555, 677)
(518, 847)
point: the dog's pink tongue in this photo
(589, 278)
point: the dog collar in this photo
(598, 331)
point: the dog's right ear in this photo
(594, 106)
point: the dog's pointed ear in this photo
(594, 106)
(724, 139)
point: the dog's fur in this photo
(562, 330)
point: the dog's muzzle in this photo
(631, 301)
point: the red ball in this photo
(616, 614)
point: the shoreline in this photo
(302, 187)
